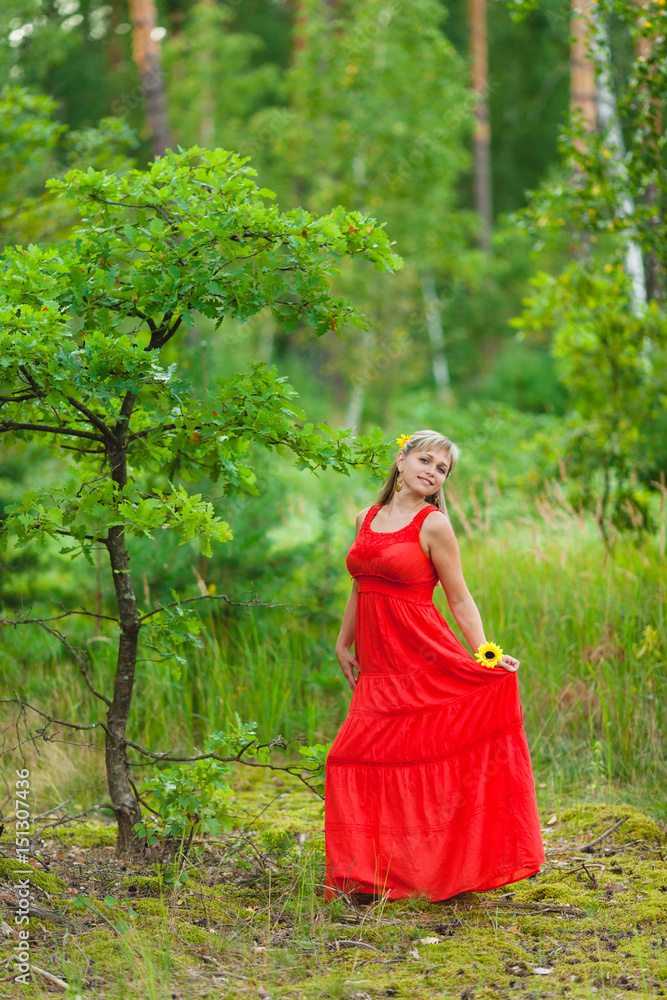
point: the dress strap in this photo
(422, 515)
(370, 514)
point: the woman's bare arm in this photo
(348, 662)
(446, 558)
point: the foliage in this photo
(33, 145)
(380, 114)
(187, 798)
(214, 85)
(85, 326)
(605, 310)
(614, 365)
(316, 757)
(76, 315)
(126, 913)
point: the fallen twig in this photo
(50, 977)
(345, 943)
(602, 836)
(534, 907)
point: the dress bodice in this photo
(393, 562)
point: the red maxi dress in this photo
(428, 785)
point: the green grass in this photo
(250, 922)
(588, 628)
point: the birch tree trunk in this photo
(482, 131)
(652, 270)
(436, 333)
(363, 375)
(146, 52)
(608, 120)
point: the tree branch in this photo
(151, 430)
(239, 758)
(217, 597)
(92, 417)
(21, 399)
(66, 613)
(10, 425)
(78, 659)
(59, 722)
(171, 331)
(83, 451)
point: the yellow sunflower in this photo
(489, 654)
(403, 438)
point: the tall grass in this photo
(588, 627)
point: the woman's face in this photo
(424, 471)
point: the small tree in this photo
(86, 329)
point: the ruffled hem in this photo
(333, 890)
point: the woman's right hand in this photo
(348, 664)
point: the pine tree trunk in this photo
(146, 52)
(207, 119)
(583, 99)
(482, 131)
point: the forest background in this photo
(514, 157)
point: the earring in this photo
(399, 484)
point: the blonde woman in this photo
(429, 786)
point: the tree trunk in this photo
(363, 374)
(124, 803)
(299, 33)
(482, 131)
(583, 99)
(435, 332)
(146, 52)
(653, 271)
(609, 122)
(207, 119)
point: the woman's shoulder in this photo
(437, 521)
(362, 514)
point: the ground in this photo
(249, 921)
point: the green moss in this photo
(92, 833)
(594, 818)
(563, 889)
(152, 884)
(149, 906)
(106, 950)
(191, 934)
(15, 870)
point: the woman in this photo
(428, 785)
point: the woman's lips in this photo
(425, 481)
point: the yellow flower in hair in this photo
(403, 438)
(489, 654)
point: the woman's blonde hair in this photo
(421, 441)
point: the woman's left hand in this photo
(508, 662)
